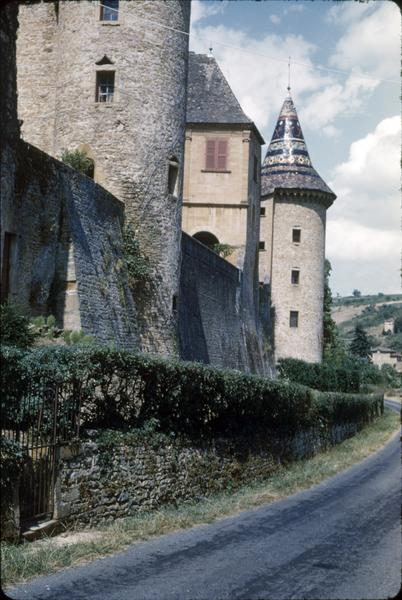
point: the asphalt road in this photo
(340, 539)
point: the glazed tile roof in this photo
(287, 163)
(209, 96)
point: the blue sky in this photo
(351, 120)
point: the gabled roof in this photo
(210, 99)
(287, 163)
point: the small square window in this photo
(295, 276)
(104, 86)
(262, 211)
(109, 10)
(294, 318)
(261, 245)
(296, 235)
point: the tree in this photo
(333, 347)
(360, 345)
(357, 293)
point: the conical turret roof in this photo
(287, 163)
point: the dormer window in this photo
(109, 10)
(104, 86)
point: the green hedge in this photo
(122, 390)
(321, 376)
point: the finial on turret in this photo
(210, 53)
(288, 88)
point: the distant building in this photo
(384, 356)
(389, 326)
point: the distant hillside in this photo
(370, 312)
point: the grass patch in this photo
(22, 562)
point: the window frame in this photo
(296, 273)
(294, 319)
(107, 94)
(173, 176)
(217, 154)
(113, 12)
(298, 231)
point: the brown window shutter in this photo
(210, 155)
(222, 155)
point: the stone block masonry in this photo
(67, 255)
(96, 484)
(216, 323)
(61, 48)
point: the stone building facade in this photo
(113, 83)
(295, 199)
(60, 231)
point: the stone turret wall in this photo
(304, 341)
(131, 139)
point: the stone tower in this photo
(295, 199)
(110, 78)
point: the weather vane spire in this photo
(288, 88)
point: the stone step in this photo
(44, 529)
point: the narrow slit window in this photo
(8, 249)
(173, 175)
(262, 211)
(109, 10)
(104, 86)
(296, 235)
(255, 172)
(261, 245)
(295, 276)
(294, 318)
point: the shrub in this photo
(15, 329)
(77, 159)
(121, 390)
(321, 376)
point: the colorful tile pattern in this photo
(287, 162)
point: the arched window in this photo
(206, 238)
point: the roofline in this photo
(251, 126)
(282, 191)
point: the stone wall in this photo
(97, 484)
(61, 46)
(217, 321)
(67, 255)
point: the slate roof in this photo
(209, 96)
(287, 163)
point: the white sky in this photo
(351, 122)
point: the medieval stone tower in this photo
(295, 199)
(110, 78)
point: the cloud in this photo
(367, 184)
(256, 69)
(275, 19)
(371, 42)
(348, 240)
(363, 232)
(201, 9)
(336, 99)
